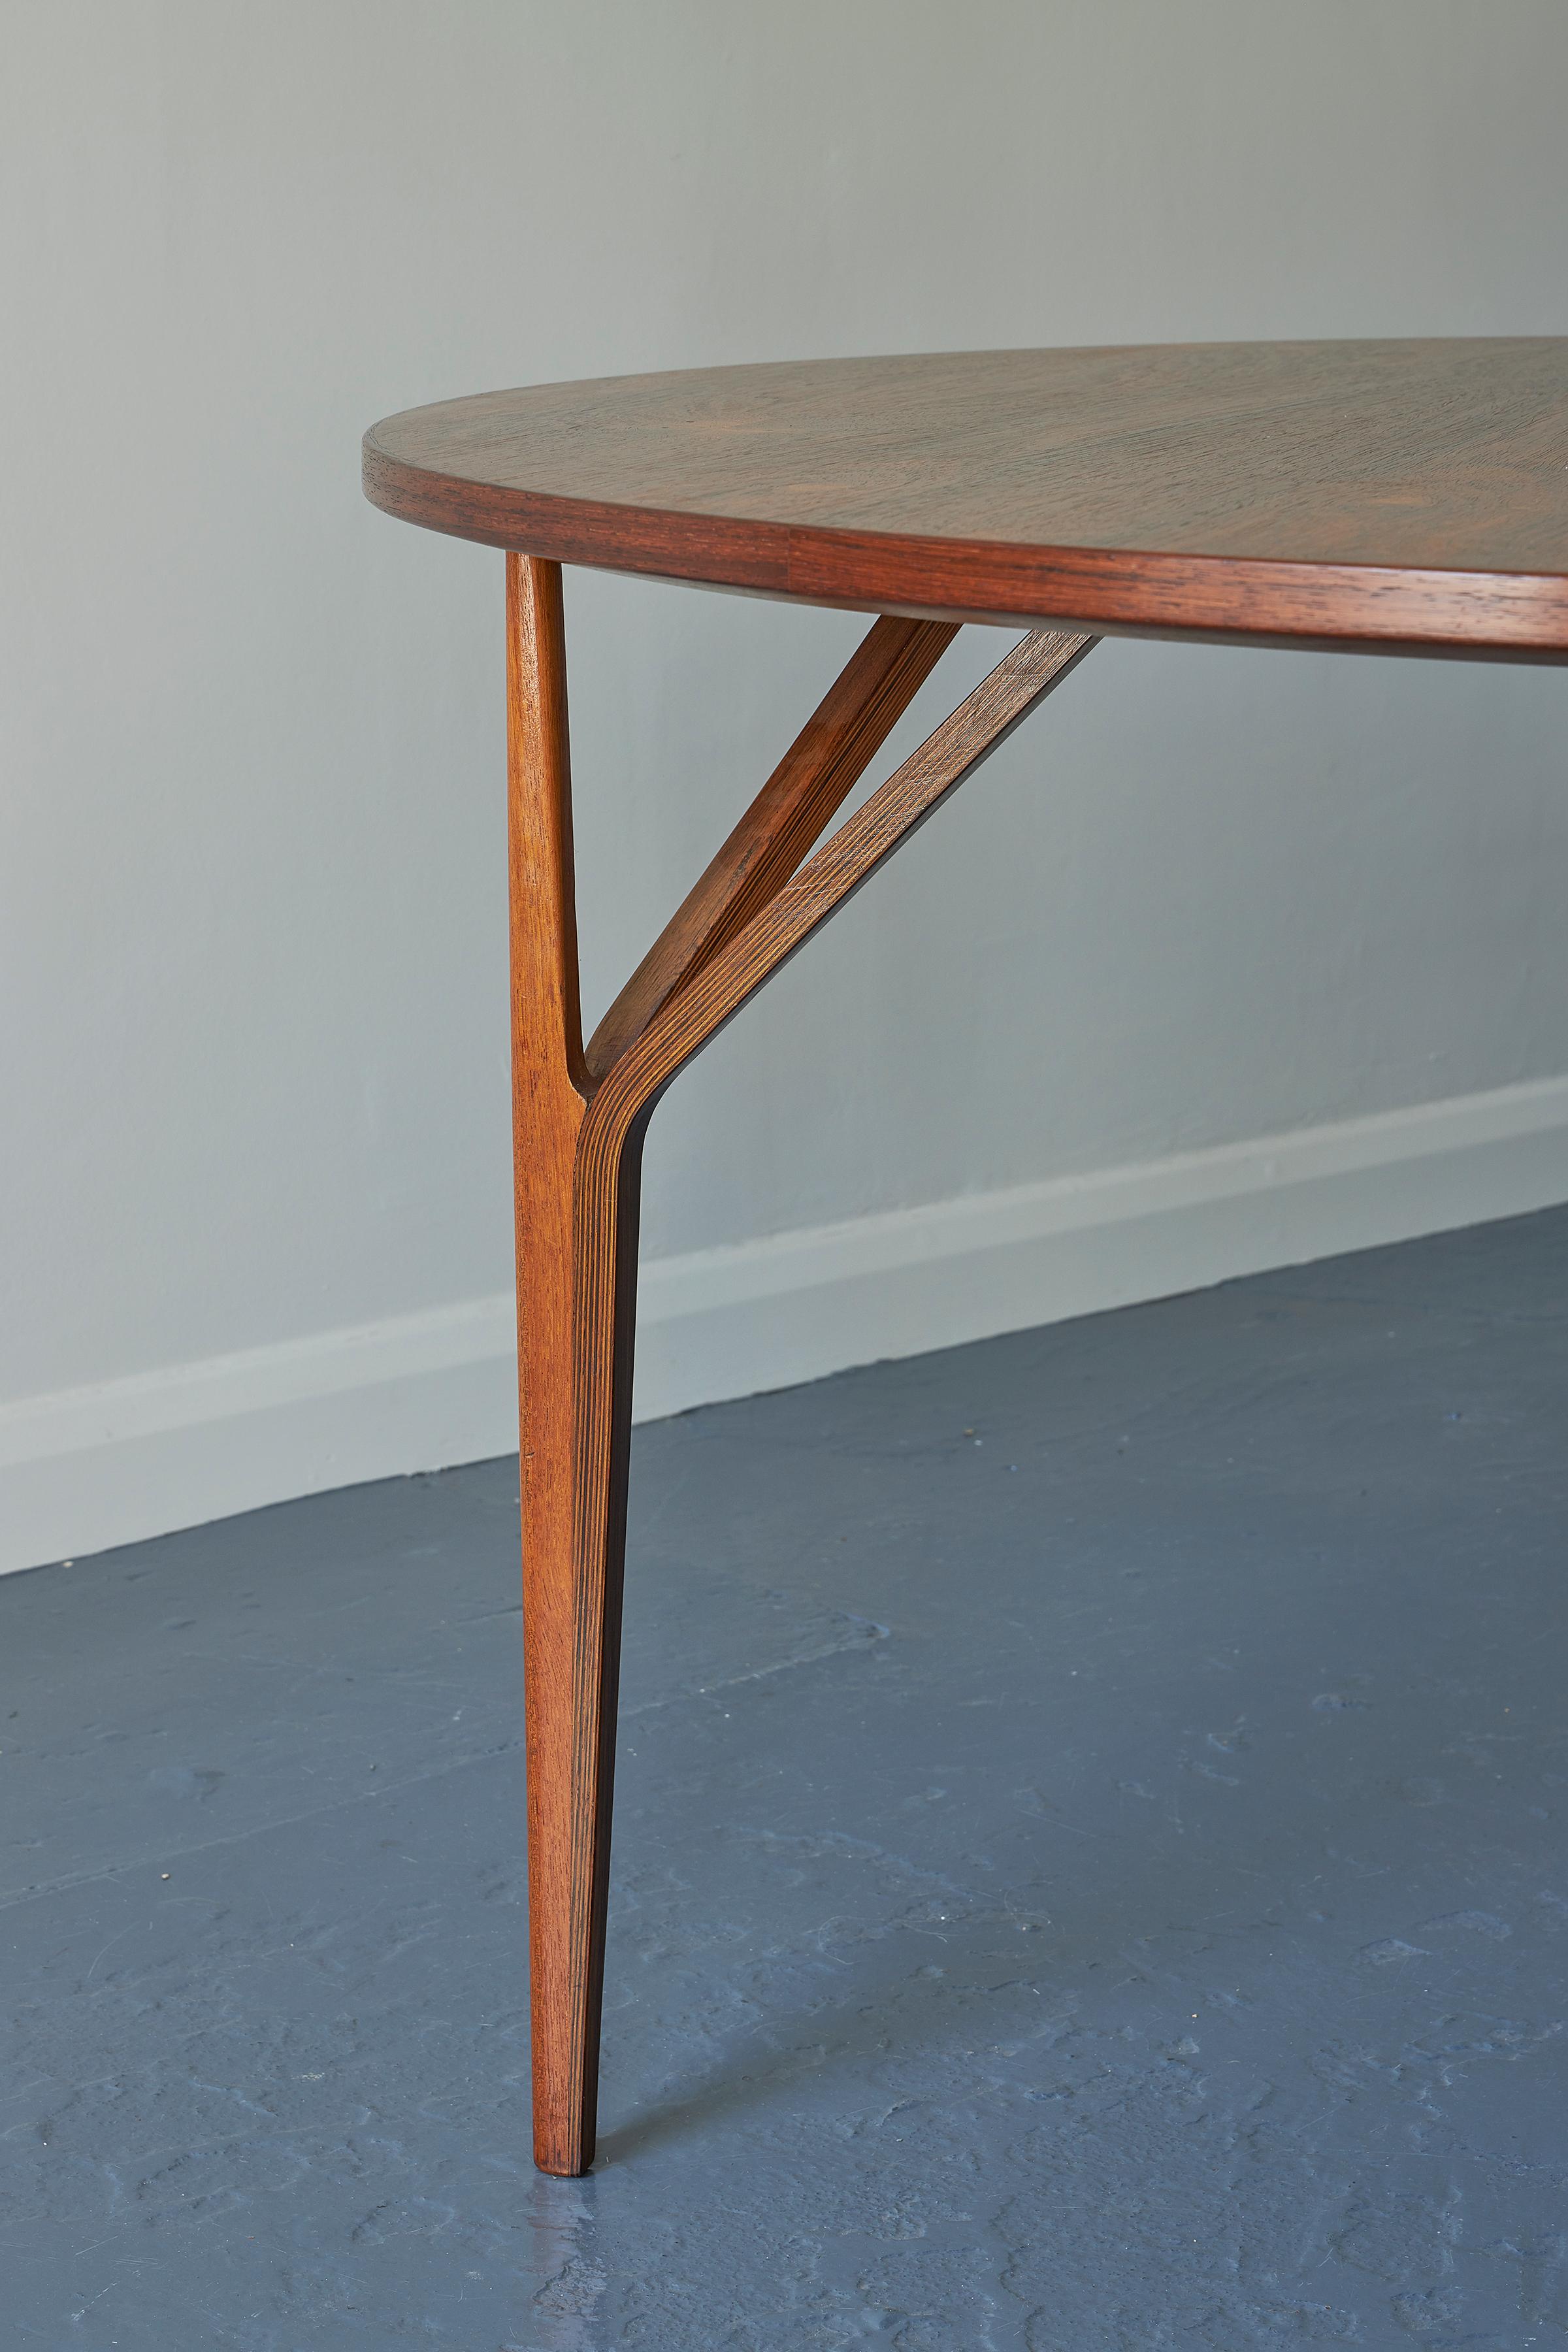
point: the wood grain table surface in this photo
(1377, 494)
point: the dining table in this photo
(1404, 497)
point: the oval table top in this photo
(1397, 495)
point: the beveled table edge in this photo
(1216, 599)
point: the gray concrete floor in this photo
(1089, 1868)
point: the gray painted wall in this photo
(252, 1000)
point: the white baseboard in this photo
(91, 1468)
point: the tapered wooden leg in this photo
(572, 1495)
(579, 1125)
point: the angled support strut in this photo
(579, 1123)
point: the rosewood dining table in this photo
(1392, 496)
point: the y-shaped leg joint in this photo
(579, 1126)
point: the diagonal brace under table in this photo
(579, 1122)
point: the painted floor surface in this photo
(1089, 1870)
